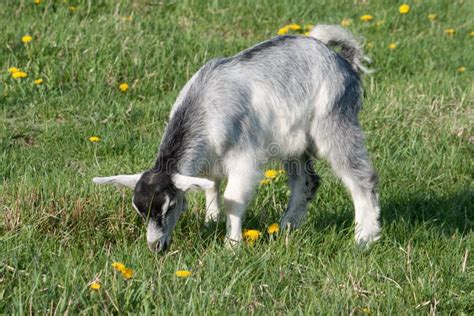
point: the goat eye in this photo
(172, 206)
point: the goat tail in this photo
(351, 48)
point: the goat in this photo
(287, 99)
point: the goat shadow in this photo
(447, 214)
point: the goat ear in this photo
(185, 183)
(121, 180)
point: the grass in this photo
(58, 232)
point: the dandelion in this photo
(123, 87)
(294, 27)
(271, 173)
(273, 228)
(19, 74)
(251, 235)
(366, 18)
(118, 266)
(404, 8)
(346, 22)
(461, 69)
(308, 27)
(183, 273)
(284, 30)
(94, 139)
(450, 32)
(38, 81)
(471, 34)
(95, 285)
(26, 39)
(432, 17)
(13, 70)
(37, 1)
(127, 273)
(392, 45)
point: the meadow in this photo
(112, 69)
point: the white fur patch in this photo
(153, 234)
(135, 207)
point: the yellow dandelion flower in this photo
(251, 235)
(365, 310)
(273, 228)
(94, 139)
(308, 27)
(38, 81)
(271, 173)
(95, 285)
(294, 27)
(346, 22)
(19, 75)
(450, 32)
(13, 70)
(127, 273)
(392, 45)
(37, 1)
(118, 265)
(471, 34)
(123, 87)
(183, 273)
(366, 18)
(461, 69)
(404, 8)
(432, 16)
(26, 39)
(284, 30)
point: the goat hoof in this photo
(209, 221)
(365, 241)
(232, 244)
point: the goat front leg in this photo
(239, 191)
(212, 203)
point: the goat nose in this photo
(160, 244)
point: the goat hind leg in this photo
(304, 183)
(349, 160)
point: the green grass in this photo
(58, 232)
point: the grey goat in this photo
(288, 99)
